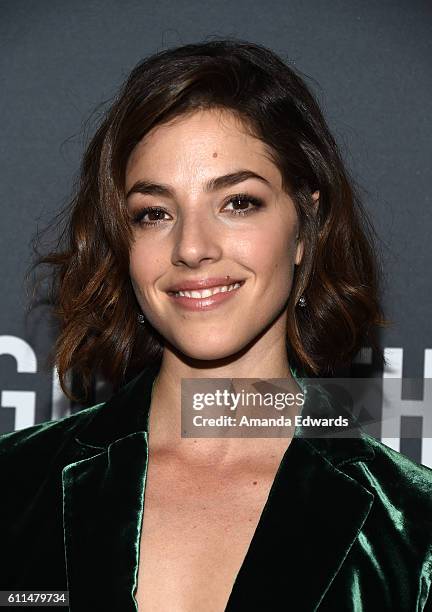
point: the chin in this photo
(206, 350)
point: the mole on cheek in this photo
(215, 154)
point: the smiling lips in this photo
(206, 297)
(203, 283)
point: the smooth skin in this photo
(204, 496)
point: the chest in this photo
(195, 535)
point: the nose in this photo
(195, 241)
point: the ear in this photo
(315, 199)
(300, 243)
(299, 252)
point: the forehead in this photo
(205, 141)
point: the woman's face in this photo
(202, 172)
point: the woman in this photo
(214, 168)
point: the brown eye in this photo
(154, 216)
(243, 204)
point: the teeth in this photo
(204, 293)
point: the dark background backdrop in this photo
(369, 64)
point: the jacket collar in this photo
(128, 411)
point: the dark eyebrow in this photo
(227, 180)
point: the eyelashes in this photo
(241, 199)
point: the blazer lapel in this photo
(102, 504)
(103, 497)
(311, 519)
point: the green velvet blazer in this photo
(347, 526)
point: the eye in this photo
(243, 201)
(155, 216)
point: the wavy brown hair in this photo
(92, 292)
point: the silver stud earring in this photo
(140, 318)
(302, 301)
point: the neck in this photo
(259, 362)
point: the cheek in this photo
(270, 251)
(142, 266)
